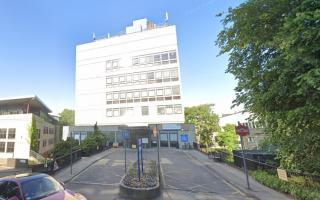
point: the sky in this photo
(38, 40)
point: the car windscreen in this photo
(41, 187)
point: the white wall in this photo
(91, 76)
(20, 122)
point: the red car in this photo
(35, 187)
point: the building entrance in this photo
(169, 139)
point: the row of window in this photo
(47, 130)
(155, 59)
(128, 111)
(161, 58)
(144, 95)
(149, 77)
(169, 109)
(6, 147)
(11, 133)
(47, 142)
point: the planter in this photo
(147, 188)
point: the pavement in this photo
(64, 175)
(8, 171)
(188, 175)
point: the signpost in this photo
(242, 131)
(125, 135)
(138, 154)
(156, 133)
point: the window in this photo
(161, 110)
(135, 61)
(158, 75)
(150, 76)
(129, 78)
(167, 91)
(109, 81)
(13, 191)
(136, 77)
(12, 133)
(136, 94)
(122, 79)
(157, 59)
(144, 93)
(173, 57)
(2, 146)
(45, 130)
(129, 111)
(51, 141)
(165, 58)
(129, 95)
(109, 96)
(142, 60)
(116, 95)
(143, 76)
(109, 112)
(174, 73)
(115, 80)
(149, 59)
(159, 92)
(122, 95)
(176, 90)
(10, 147)
(166, 74)
(109, 65)
(151, 93)
(122, 111)
(145, 110)
(115, 64)
(177, 109)
(3, 133)
(116, 112)
(169, 110)
(44, 143)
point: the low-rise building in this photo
(16, 115)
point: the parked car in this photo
(35, 186)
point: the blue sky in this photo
(38, 39)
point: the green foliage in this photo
(228, 138)
(63, 148)
(93, 142)
(33, 135)
(205, 121)
(67, 117)
(299, 189)
(227, 155)
(274, 54)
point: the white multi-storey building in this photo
(132, 79)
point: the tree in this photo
(33, 135)
(205, 121)
(275, 55)
(63, 148)
(93, 142)
(228, 137)
(67, 117)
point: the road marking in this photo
(91, 183)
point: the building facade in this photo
(16, 115)
(131, 79)
(131, 82)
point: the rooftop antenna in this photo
(167, 17)
(94, 36)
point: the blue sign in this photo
(184, 138)
(125, 134)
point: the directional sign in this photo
(184, 138)
(242, 130)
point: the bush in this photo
(226, 154)
(94, 142)
(298, 187)
(63, 148)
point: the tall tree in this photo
(67, 117)
(275, 56)
(228, 137)
(205, 121)
(33, 135)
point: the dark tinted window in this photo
(13, 190)
(40, 188)
(3, 189)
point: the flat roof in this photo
(32, 100)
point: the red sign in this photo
(242, 130)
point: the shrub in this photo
(296, 186)
(63, 148)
